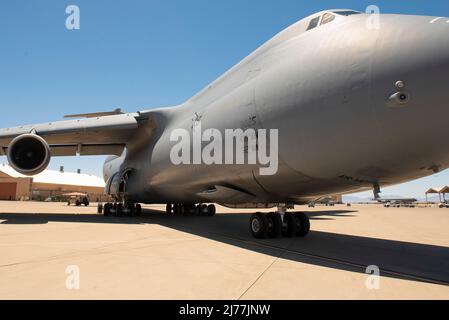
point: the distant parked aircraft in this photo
(398, 202)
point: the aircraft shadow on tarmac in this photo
(396, 259)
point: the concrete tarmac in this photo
(43, 247)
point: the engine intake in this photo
(29, 154)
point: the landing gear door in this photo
(113, 184)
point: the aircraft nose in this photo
(425, 67)
(414, 50)
(410, 83)
(411, 66)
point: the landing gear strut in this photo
(275, 224)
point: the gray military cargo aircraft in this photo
(356, 107)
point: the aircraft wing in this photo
(107, 135)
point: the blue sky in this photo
(142, 54)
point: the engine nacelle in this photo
(29, 154)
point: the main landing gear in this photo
(119, 209)
(277, 224)
(129, 209)
(191, 209)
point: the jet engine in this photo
(29, 154)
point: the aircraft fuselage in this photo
(351, 105)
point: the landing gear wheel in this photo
(107, 210)
(302, 224)
(184, 210)
(191, 210)
(211, 210)
(274, 225)
(120, 210)
(258, 226)
(138, 210)
(131, 210)
(169, 209)
(289, 231)
(198, 210)
(204, 210)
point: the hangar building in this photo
(15, 186)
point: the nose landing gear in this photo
(275, 224)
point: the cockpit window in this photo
(346, 13)
(313, 23)
(327, 17)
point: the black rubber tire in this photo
(131, 210)
(274, 225)
(289, 231)
(259, 229)
(198, 210)
(138, 210)
(204, 210)
(107, 210)
(120, 210)
(191, 210)
(184, 210)
(178, 209)
(169, 209)
(303, 224)
(211, 210)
